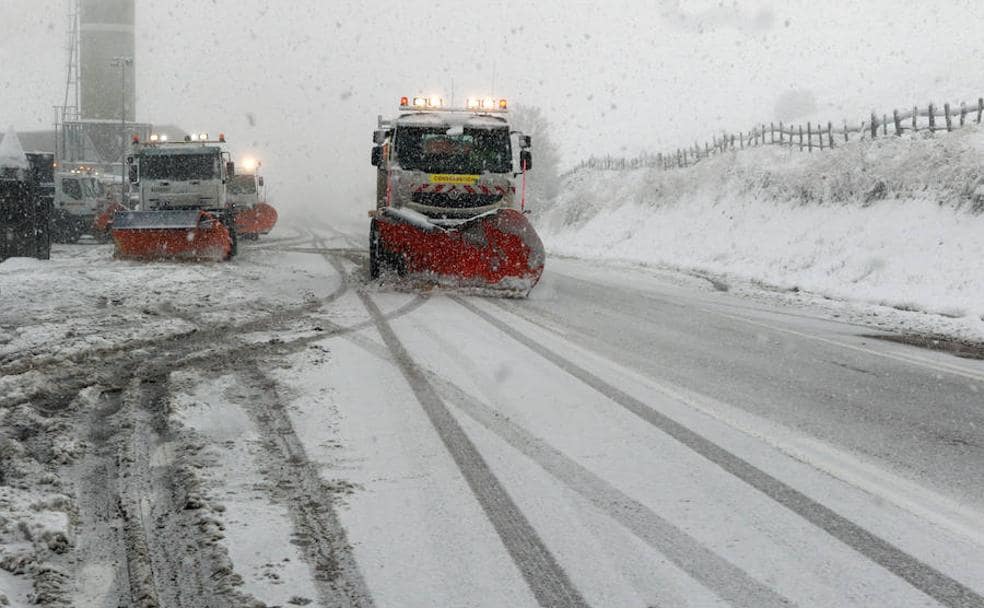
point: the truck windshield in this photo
(72, 188)
(91, 188)
(242, 184)
(180, 167)
(435, 150)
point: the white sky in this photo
(616, 76)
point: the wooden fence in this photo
(804, 137)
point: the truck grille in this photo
(455, 199)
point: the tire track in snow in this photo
(546, 579)
(21, 362)
(64, 384)
(714, 572)
(173, 558)
(922, 576)
(100, 540)
(297, 484)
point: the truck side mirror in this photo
(525, 142)
(134, 173)
(231, 169)
(377, 156)
(260, 181)
(526, 160)
(379, 137)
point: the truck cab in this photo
(78, 198)
(174, 176)
(449, 163)
(243, 191)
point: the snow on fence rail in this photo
(807, 138)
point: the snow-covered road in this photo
(277, 432)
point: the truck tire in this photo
(229, 219)
(375, 252)
(64, 228)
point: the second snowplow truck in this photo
(451, 198)
(183, 212)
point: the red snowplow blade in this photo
(259, 220)
(170, 235)
(499, 251)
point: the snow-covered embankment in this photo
(896, 222)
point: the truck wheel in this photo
(64, 228)
(375, 251)
(76, 229)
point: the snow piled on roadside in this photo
(897, 222)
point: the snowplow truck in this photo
(253, 215)
(80, 198)
(450, 198)
(182, 212)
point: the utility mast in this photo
(74, 69)
(70, 110)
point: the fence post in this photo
(980, 109)
(963, 113)
(830, 134)
(915, 118)
(932, 119)
(772, 132)
(820, 135)
(732, 141)
(801, 138)
(885, 124)
(847, 136)
(898, 123)
(780, 133)
(874, 125)
(741, 139)
(809, 136)
(949, 118)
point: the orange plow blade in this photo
(171, 235)
(498, 252)
(259, 220)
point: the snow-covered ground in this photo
(73, 332)
(278, 431)
(897, 223)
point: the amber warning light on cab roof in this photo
(194, 138)
(435, 102)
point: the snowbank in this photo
(11, 153)
(896, 222)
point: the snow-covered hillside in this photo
(897, 221)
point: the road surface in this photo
(625, 437)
